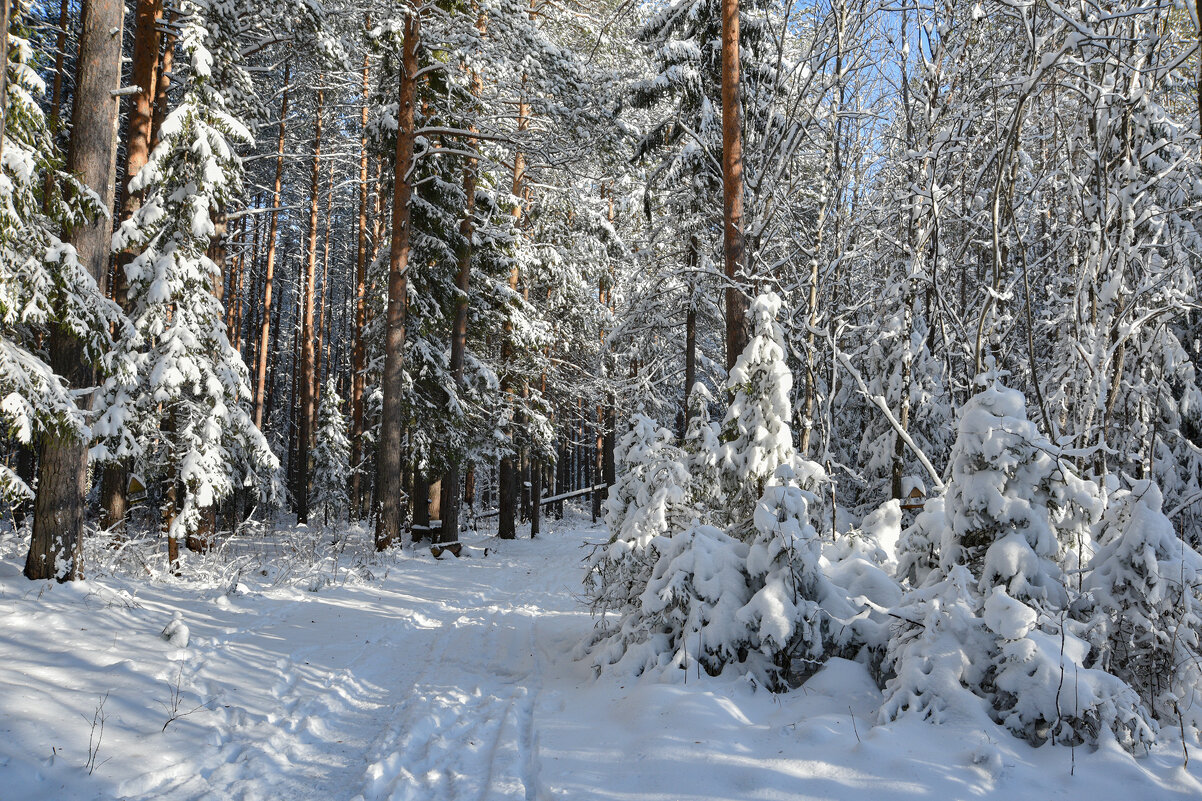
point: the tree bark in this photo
(56, 96)
(389, 497)
(163, 82)
(140, 117)
(732, 187)
(269, 270)
(58, 517)
(308, 365)
(359, 356)
(323, 341)
(507, 477)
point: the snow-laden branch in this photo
(880, 403)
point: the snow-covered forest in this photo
(838, 362)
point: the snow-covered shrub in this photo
(685, 617)
(1013, 508)
(940, 653)
(1146, 584)
(988, 628)
(649, 500)
(1042, 689)
(876, 538)
(710, 599)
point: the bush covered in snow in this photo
(1146, 587)
(994, 626)
(713, 559)
(992, 607)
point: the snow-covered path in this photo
(454, 680)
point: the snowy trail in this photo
(421, 688)
(453, 680)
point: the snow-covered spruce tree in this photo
(650, 500)
(632, 456)
(918, 548)
(701, 452)
(1146, 587)
(1016, 512)
(42, 283)
(756, 437)
(789, 614)
(331, 458)
(180, 413)
(705, 598)
(992, 621)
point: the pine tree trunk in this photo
(326, 298)
(508, 475)
(234, 298)
(536, 494)
(308, 362)
(732, 187)
(139, 120)
(163, 81)
(269, 270)
(58, 517)
(359, 356)
(389, 498)
(56, 96)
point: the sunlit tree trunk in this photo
(389, 495)
(58, 517)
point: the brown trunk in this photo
(308, 361)
(536, 494)
(265, 328)
(732, 187)
(56, 101)
(389, 498)
(113, 501)
(234, 298)
(359, 356)
(322, 339)
(163, 82)
(507, 477)
(58, 516)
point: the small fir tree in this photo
(181, 412)
(756, 435)
(331, 458)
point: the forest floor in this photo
(419, 679)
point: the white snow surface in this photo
(434, 680)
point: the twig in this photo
(99, 716)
